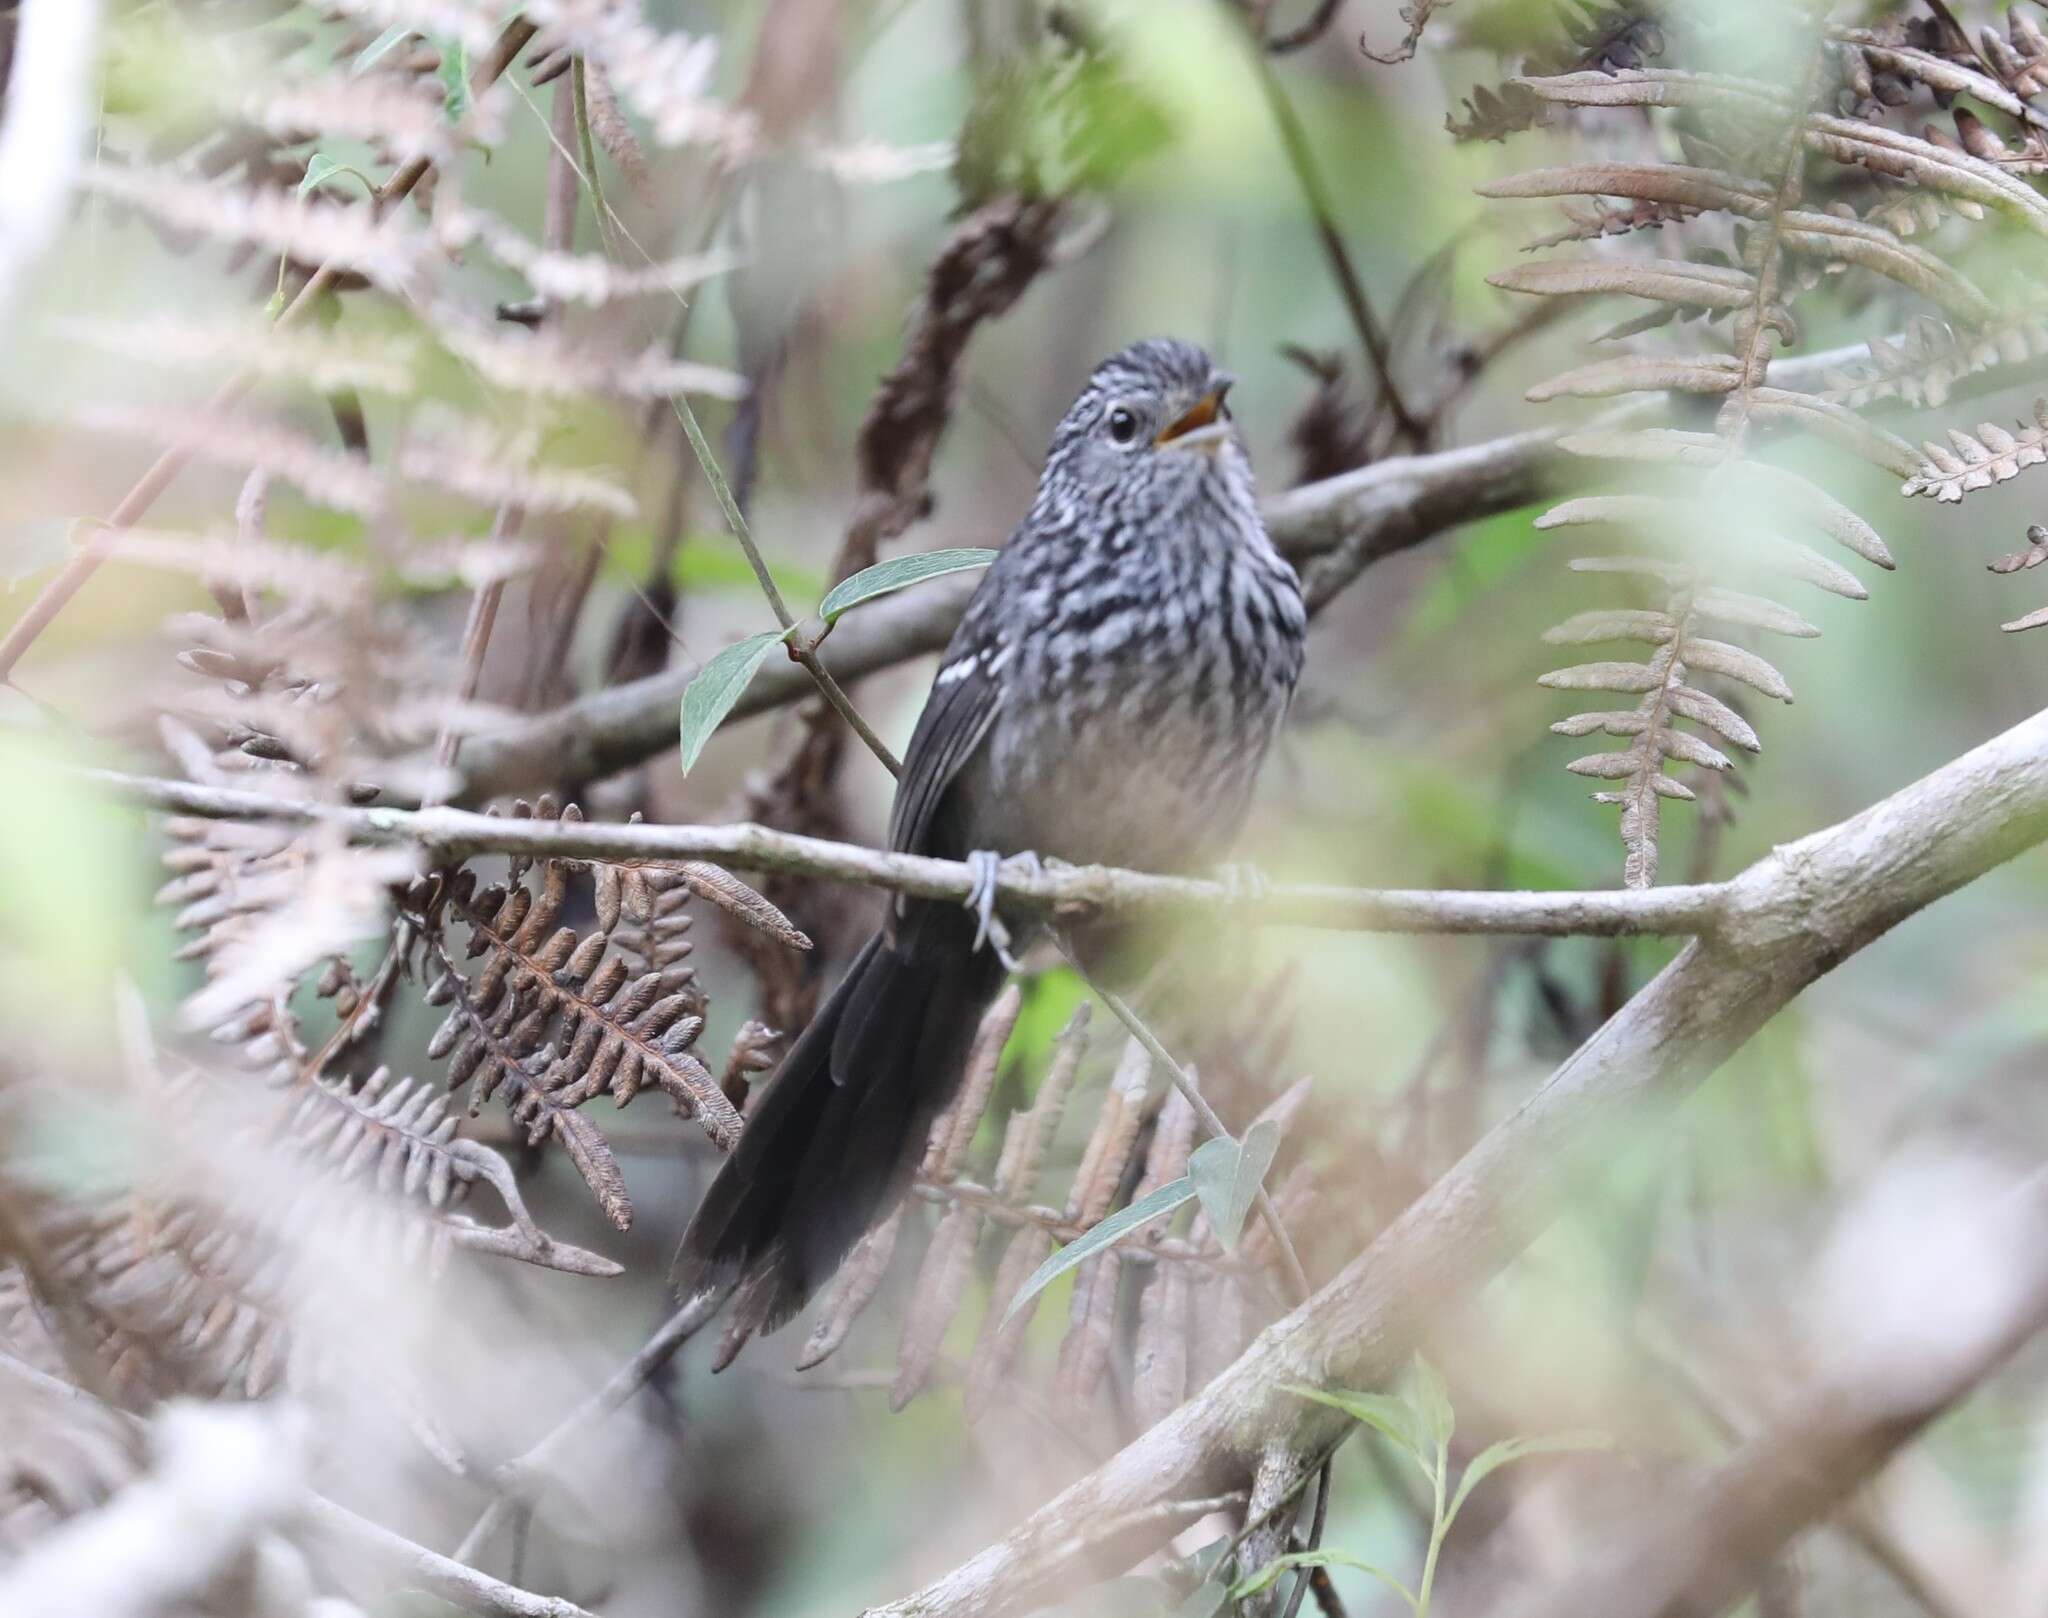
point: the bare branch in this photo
(1790, 919)
(1333, 530)
(456, 834)
(1947, 1313)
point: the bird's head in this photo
(1151, 425)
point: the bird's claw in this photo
(1242, 882)
(987, 864)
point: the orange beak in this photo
(1205, 413)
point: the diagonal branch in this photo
(1704, 1541)
(1789, 920)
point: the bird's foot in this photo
(1243, 882)
(987, 865)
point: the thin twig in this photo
(1311, 28)
(444, 1576)
(476, 637)
(1307, 1575)
(455, 834)
(516, 1475)
(1315, 191)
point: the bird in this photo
(1108, 698)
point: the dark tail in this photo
(835, 1139)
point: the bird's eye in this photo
(1123, 425)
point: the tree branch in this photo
(1786, 921)
(455, 834)
(1952, 1310)
(1332, 530)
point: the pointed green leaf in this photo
(1433, 1399)
(1396, 1418)
(379, 48)
(1228, 1173)
(1097, 1237)
(1319, 1558)
(720, 683)
(454, 76)
(1495, 1456)
(894, 574)
(321, 168)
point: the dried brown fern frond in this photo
(1977, 460)
(61, 1454)
(1929, 358)
(400, 1137)
(1754, 148)
(558, 1015)
(2024, 561)
(996, 1230)
(1589, 37)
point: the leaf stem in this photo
(1438, 1527)
(801, 649)
(1205, 1113)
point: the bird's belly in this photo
(1168, 795)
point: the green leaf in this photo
(1228, 1173)
(1204, 1601)
(1433, 1400)
(320, 168)
(895, 573)
(1320, 1558)
(380, 47)
(1097, 1237)
(720, 683)
(1495, 1456)
(454, 76)
(1396, 1418)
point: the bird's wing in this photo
(955, 721)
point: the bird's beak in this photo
(1201, 426)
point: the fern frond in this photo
(585, 278)
(2032, 557)
(308, 230)
(558, 1017)
(239, 440)
(60, 1454)
(470, 458)
(1159, 1351)
(547, 364)
(1930, 358)
(1731, 512)
(948, 1265)
(1971, 461)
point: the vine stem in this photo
(1315, 192)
